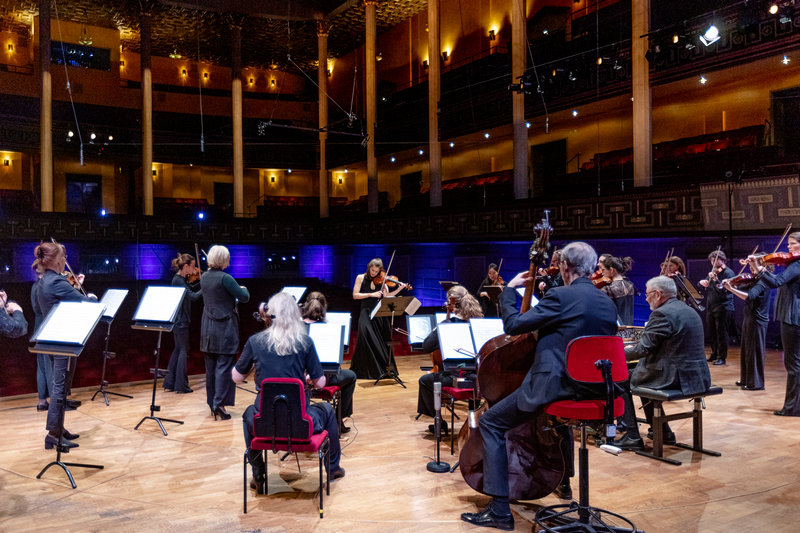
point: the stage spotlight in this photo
(201, 215)
(773, 9)
(710, 36)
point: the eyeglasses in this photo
(648, 293)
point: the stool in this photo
(658, 397)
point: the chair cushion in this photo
(282, 445)
(671, 395)
(459, 394)
(585, 409)
(325, 393)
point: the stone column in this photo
(434, 92)
(236, 112)
(145, 34)
(322, 95)
(46, 119)
(642, 118)
(518, 64)
(371, 90)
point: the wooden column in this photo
(371, 90)
(434, 93)
(322, 95)
(236, 112)
(518, 64)
(642, 118)
(46, 119)
(145, 34)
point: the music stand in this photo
(493, 291)
(391, 306)
(157, 312)
(64, 332)
(113, 299)
(447, 285)
(690, 294)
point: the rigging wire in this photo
(200, 82)
(69, 87)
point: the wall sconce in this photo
(121, 63)
(492, 35)
(251, 81)
(155, 173)
(183, 73)
(425, 64)
(205, 76)
(331, 61)
(378, 56)
(445, 55)
(272, 82)
(272, 179)
(7, 162)
(10, 47)
(341, 180)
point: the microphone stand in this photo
(438, 466)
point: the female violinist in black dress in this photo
(621, 289)
(176, 378)
(372, 356)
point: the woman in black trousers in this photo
(176, 378)
(219, 330)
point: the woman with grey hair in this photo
(219, 330)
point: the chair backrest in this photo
(584, 351)
(282, 414)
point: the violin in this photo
(390, 281)
(601, 282)
(780, 258)
(72, 279)
(194, 276)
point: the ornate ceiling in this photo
(200, 29)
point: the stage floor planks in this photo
(192, 479)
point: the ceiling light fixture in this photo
(710, 36)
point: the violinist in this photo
(488, 306)
(44, 362)
(549, 277)
(787, 311)
(754, 331)
(176, 379)
(372, 356)
(719, 306)
(564, 314)
(314, 310)
(284, 350)
(12, 320)
(621, 289)
(461, 306)
(673, 266)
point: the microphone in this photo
(437, 466)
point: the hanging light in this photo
(710, 36)
(85, 39)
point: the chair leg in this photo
(321, 466)
(452, 425)
(244, 484)
(297, 458)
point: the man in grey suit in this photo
(565, 313)
(671, 355)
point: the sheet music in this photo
(113, 298)
(484, 329)
(440, 317)
(534, 299)
(419, 327)
(70, 323)
(340, 317)
(297, 292)
(328, 340)
(455, 340)
(159, 304)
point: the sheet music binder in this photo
(328, 340)
(343, 318)
(419, 327)
(296, 292)
(158, 308)
(113, 299)
(456, 344)
(67, 328)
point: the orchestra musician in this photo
(564, 313)
(671, 354)
(550, 276)
(50, 260)
(44, 362)
(462, 306)
(284, 350)
(12, 320)
(787, 311)
(719, 306)
(673, 265)
(314, 310)
(489, 306)
(754, 332)
(621, 289)
(176, 379)
(219, 330)
(372, 355)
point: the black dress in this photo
(372, 356)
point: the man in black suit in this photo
(565, 313)
(671, 355)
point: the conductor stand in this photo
(113, 299)
(391, 306)
(64, 333)
(157, 312)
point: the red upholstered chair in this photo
(282, 424)
(594, 364)
(455, 394)
(332, 394)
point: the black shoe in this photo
(445, 430)
(338, 473)
(564, 491)
(221, 412)
(74, 404)
(745, 387)
(344, 429)
(187, 390)
(740, 384)
(629, 443)
(50, 441)
(784, 412)
(669, 438)
(259, 485)
(42, 406)
(712, 358)
(70, 436)
(719, 362)
(487, 518)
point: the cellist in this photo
(565, 313)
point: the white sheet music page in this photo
(419, 327)
(70, 322)
(327, 340)
(296, 292)
(521, 292)
(484, 329)
(159, 303)
(113, 298)
(455, 340)
(340, 317)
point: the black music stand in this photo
(157, 312)
(113, 299)
(690, 294)
(64, 332)
(390, 307)
(447, 285)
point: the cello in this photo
(536, 463)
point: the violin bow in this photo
(386, 272)
(665, 264)
(745, 263)
(785, 233)
(66, 263)
(197, 257)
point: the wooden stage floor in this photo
(191, 480)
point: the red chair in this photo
(332, 394)
(594, 364)
(455, 394)
(282, 425)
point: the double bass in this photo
(536, 463)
